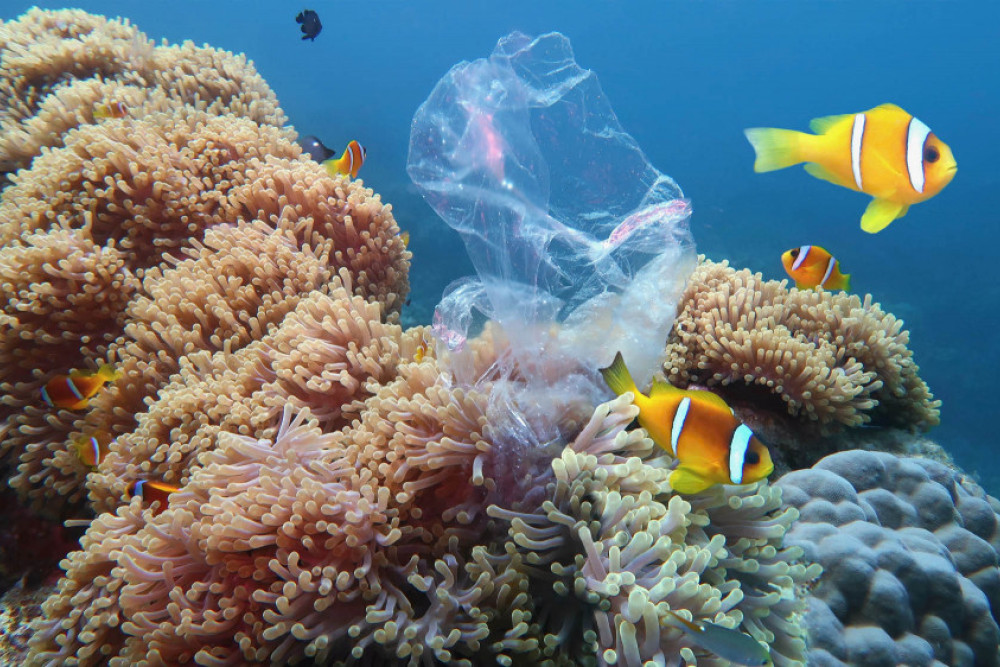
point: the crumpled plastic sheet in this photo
(581, 246)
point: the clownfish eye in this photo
(795, 253)
(753, 458)
(931, 154)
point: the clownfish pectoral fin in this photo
(687, 481)
(880, 213)
(823, 124)
(109, 372)
(618, 377)
(820, 172)
(775, 149)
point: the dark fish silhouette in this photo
(315, 148)
(310, 23)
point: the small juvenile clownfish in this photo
(884, 152)
(737, 647)
(711, 445)
(812, 266)
(75, 390)
(405, 238)
(152, 491)
(93, 448)
(349, 163)
(112, 110)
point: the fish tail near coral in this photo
(618, 377)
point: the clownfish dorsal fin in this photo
(661, 388)
(706, 397)
(889, 106)
(823, 124)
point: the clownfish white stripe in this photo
(738, 452)
(72, 388)
(679, 418)
(46, 398)
(829, 271)
(803, 253)
(857, 140)
(916, 136)
(95, 448)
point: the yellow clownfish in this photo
(112, 110)
(884, 152)
(349, 163)
(711, 445)
(75, 390)
(811, 266)
(92, 449)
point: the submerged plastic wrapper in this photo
(581, 246)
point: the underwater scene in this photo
(406, 332)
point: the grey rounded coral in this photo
(909, 552)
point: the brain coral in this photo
(909, 552)
(796, 364)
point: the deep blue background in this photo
(685, 78)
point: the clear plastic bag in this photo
(581, 246)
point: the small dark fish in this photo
(315, 148)
(310, 23)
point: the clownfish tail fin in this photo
(847, 282)
(109, 372)
(618, 377)
(775, 149)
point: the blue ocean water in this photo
(685, 78)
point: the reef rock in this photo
(909, 552)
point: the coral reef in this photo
(609, 550)
(155, 241)
(19, 606)
(805, 363)
(59, 66)
(372, 542)
(909, 551)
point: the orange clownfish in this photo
(884, 152)
(711, 445)
(75, 390)
(811, 266)
(92, 449)
(349, 163)
(152, 491)
(112, 110)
